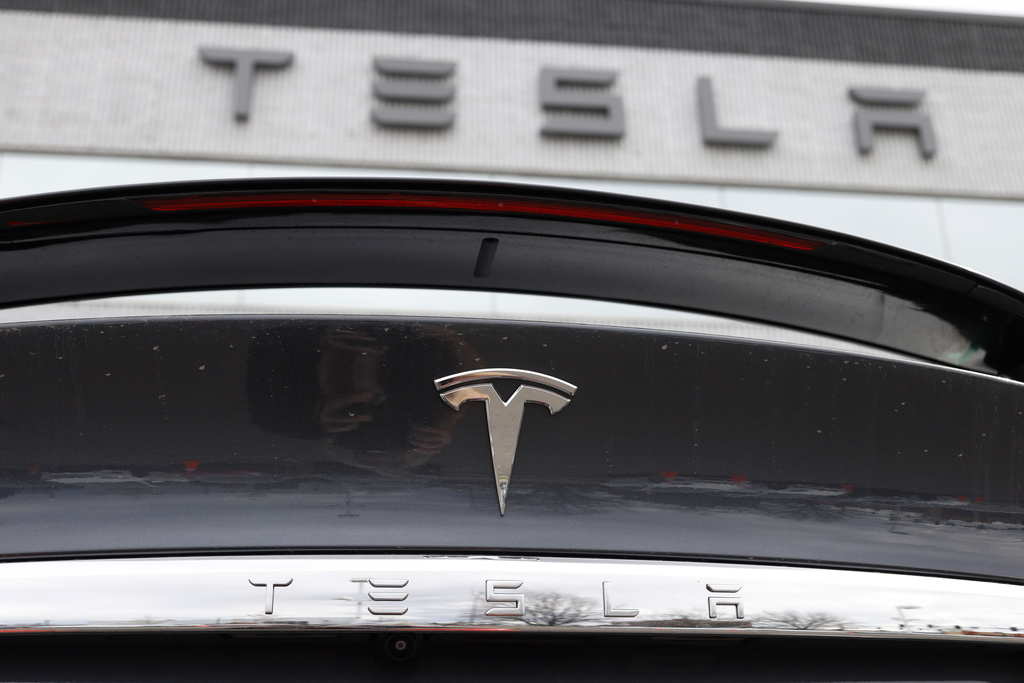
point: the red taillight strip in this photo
(487, 205)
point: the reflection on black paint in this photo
(328, 433)
(366, 393)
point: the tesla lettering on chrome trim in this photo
(377, 593)
(504, 417)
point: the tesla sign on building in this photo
(680, 93)
(592, 114)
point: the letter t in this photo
(244, 63)
(271, 584)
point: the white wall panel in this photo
(24, 174)
(988, 237)
(908, 222)
(137, 87)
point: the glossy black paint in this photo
(447, 658)
(326, 433)
(106, 242)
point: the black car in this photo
(295, 492)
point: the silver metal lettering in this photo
(270, 584)
(609, 611)
(866, 121)
(726, 598)
(390, 594)
(712, 134)
(610, 119)
(244, 63)
(516, 600)
(412, 92)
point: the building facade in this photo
(897, 126)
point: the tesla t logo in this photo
(504, 417)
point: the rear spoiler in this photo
(507, 238)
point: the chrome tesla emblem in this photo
(504, 417)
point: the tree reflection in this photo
(557, 609)
(800, 621)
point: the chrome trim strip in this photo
(519, 594)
